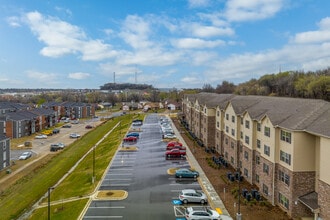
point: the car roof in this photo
(188, 191)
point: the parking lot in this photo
(152, 191)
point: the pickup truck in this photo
(175, 153)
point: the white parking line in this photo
(117, 179)
(123, 184)
(106, 207)
(94, 217)
(119, 174)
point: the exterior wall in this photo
(323, 183)
(304, 152)
(246, 162)
(246, 146)
(324, 199)
(219, 131)
(4, 153)
(266, 179)
(208, 127)
(230, 131)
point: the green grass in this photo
(25, 192)
(62, 211)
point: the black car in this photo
(56, 131)
(66, 126)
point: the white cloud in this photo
(78, 75)
(135, 32)
(63, 38)
(13, 21)
(195, 43)
(246, 10)
(199, 30)
(198, 3)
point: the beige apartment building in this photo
(279, 144)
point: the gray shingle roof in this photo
(311, 115)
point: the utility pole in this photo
(49, 189)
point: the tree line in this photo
(315, 85)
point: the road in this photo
(144, 175)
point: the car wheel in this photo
(185, 201)
(202, 201)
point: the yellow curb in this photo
(171, 171)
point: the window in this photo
(247, 139)
(227, 129)
(285, 157)
(258, 143)
(217, 134)
(246, 172)
(241, 135)
(233, 132)
(283, 200)
(218, 124)
(218, 113)
(257, 159)
(267, 150)
(246, 155)
(258, 127)
(267, 131)
(257, 178)
(286, 136)
(247, 124)
(232, 144)
(226, 140)
(204, 110)
(266, 168)
(227, 116)
(285, 178)
(226, 155)
(233, 118)
(240, 147)
(232, 160)
(241, 121)
(265, 189)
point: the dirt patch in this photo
(227, 190)
(129, 148)
(112, 194)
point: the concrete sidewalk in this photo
(214, 199)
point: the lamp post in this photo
(238, 214)
(49, 189)
(93, 177)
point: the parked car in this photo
(67, 126)
(47, 132)
(133, 134)
(41, 136)
(88, 126)
(57, 146)
(130, 139)
(74, 135)
(175, 153)
(201, 212)
(191, 195)
(56, 131)
(169, 136)
(186, 173)
(75, 121)
(174, 143)
(25, 155)
(137, 122)
(175, 147)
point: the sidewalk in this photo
(215, 201)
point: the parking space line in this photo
(117, 179)
(178, 184)
(114, 184)
(119, 174)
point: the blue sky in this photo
(166, 43)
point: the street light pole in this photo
(93, 177)
(49, 189)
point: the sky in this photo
(83, 44)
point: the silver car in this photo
(201, 212)
(191, 195)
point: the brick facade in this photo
(324, 200)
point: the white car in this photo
(169, 136)
(25, 155)
(201, 212)
(41, 136)
(74, 135)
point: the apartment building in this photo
(279, 144)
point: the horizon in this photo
(167, 44)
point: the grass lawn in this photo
(20, 196)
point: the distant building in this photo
(4, 152)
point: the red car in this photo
(130, 139)
(175, 147)
(175, 153)
(174, 143)
(89, 127)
